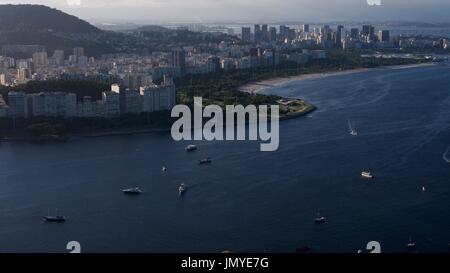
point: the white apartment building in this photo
(56, 104)
(16, 102)
(111, 103)
(133, 101)
(158, 97)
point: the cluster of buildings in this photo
(136, 75)
(114, 103)
(326, 37)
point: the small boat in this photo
(54, 218)
(182, 189)
(367, 175)
(411, 244)
(164, 169)
(207, 160)
(319, 218)
(424, 189)
(353, 131)
(132, 191)
(191, 148)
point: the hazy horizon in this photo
(148, 11)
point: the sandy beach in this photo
(257, 87)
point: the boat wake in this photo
(446, 155)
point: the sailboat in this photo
(54, 218)
(319, 218)
(411, 244)
(182, 189)
(353, 131)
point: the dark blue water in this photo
(248, 201)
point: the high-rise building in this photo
(16, 102)
(133, 102)
(213, 64)
(40, 59)
(372, 33)
(78, 51)
(258, 33)
(264, 33)
(56, 104)
(354, 33)
(86, 108)
(273, 34)
(71, 105)
(23, 74)
(384, 36)
(59, 57)
(246, 34)
(4, 79)
(284, 32)
(338, 38)
(159, 97)
(179, 59)
(111, 103)
(82, 61)
(306, 28)
(366, 30)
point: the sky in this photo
(250, 10)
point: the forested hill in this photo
(41, 18)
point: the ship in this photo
(132, 191)
(367, 175)
(207, 160)
(191, 148)
(54, 218)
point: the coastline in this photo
(253, 88)
(259, 86)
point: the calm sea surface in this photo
(248, 201)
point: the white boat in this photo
(424, 189)
(191, 148)
(182, 189)
(411, 244)
(319, 218)
(353, 131)
(164, 169)
(132, 191)
(367, 175)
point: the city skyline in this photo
(155, 11)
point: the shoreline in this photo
(254, 88)
(259, 86)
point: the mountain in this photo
(41, 18)
(51, 28)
